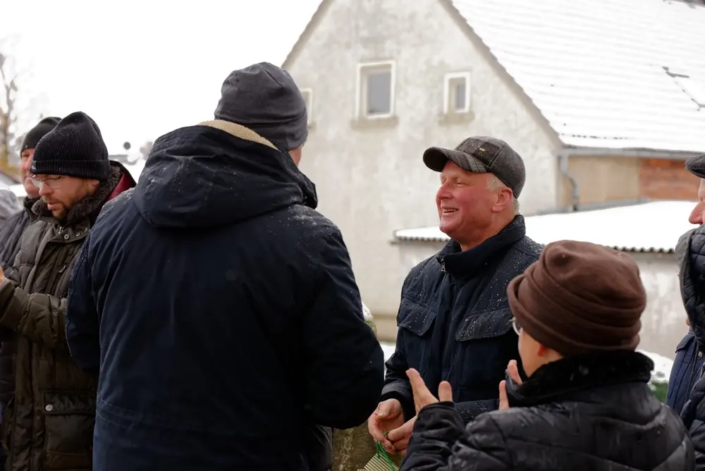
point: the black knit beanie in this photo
(37, 132)
(74, 148)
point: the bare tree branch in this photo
(10, 110)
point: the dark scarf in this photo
(560, 379)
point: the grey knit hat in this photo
(265, 99)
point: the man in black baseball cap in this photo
(454, 321)
(689, 358)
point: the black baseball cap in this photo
(480, 154)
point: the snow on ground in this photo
(662, 365)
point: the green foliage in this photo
(659, 388)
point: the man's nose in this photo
(44, 189)
(696, 217)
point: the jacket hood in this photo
(217, 173)
(9, 204)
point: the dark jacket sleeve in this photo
(690, 253)
(39, 317)
(82, 325)
(693, 416)
(344, 361)
(440, 442)
(396, 383)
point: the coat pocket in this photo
(416, 318)
(485, 325)
(69, 421)
(415, 322)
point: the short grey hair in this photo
(494, 183)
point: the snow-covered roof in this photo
(625, 74)
(648, 227)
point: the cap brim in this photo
(436, 159)
(696, 166)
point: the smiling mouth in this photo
(448, 210)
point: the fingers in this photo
(513, 369)
(383, 409)
(416, 380)
(399, 434)
(402, 445)
(445, 392)
(388, 409)
(503, 400)
(378, 435)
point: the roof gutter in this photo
(643, 153)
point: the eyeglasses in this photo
(50, 182)
(516, 326)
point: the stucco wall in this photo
(603, 179)
(663, 321)
(370, 179)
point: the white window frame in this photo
(447, 108)
(309, 104)
(360, 101)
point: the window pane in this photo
(460, 91)
(379, 93)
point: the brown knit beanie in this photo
(579, 298)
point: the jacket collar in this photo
(241, 132)
(557, 380)
(469, 263)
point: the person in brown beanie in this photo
(586, 403)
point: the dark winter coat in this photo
(455, 324)
(48, 423)
(222, 313)
(691, 256)
(594, 412)
(11, 231)
(687, 368)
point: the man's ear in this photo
(504, 200)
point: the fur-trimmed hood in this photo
(217, 173)
(118, 181)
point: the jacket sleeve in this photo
(471, 409)
(39, 317)
(344, 361)
(82, 326)
(693, 417)
(396, 383)
(440, 442)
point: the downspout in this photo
(573, 182)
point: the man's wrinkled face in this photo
(25, 164)
(464, 201)
(697, 216)
(61, 192)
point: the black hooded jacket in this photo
(591, 412)
(221, 312)
(690, 253)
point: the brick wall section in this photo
(661, 179)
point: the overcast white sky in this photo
(143, 68)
